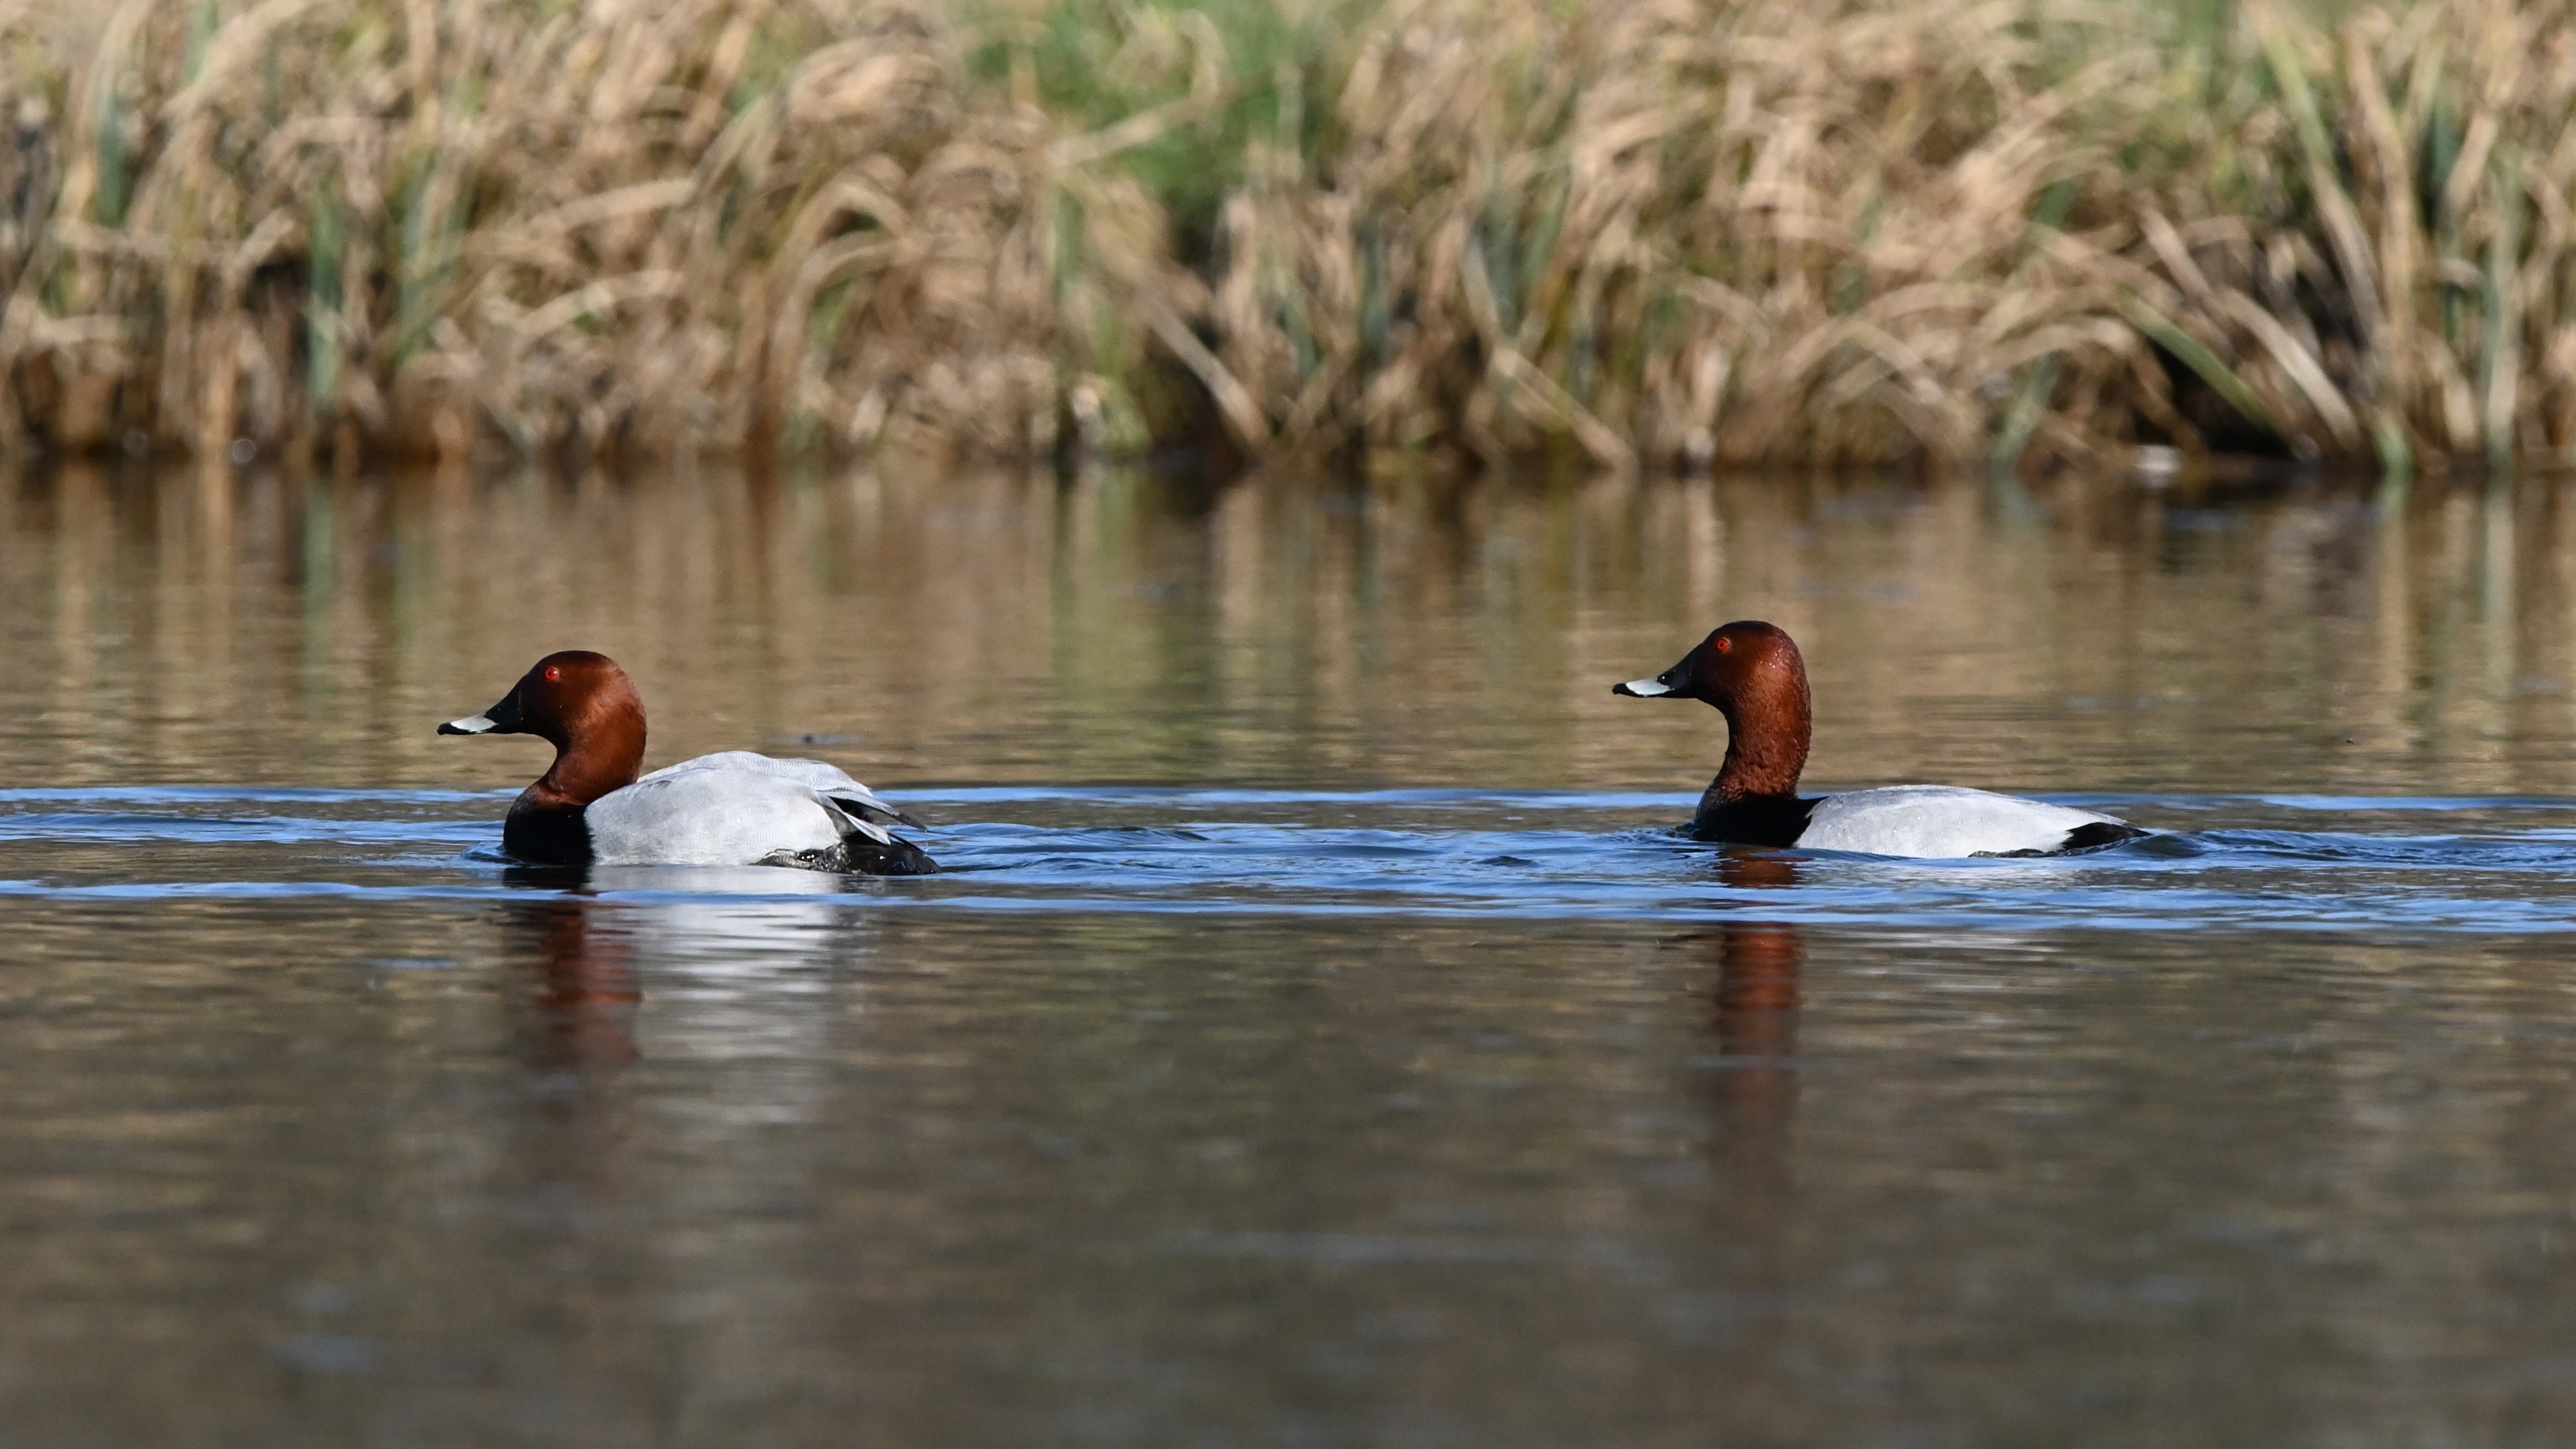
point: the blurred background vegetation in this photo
(1666, 233)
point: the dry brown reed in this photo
(1673, 231)
(1709, 229)
(701, 223)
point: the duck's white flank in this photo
(1939, 822)
(731, 808)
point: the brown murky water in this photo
(1315, 1039)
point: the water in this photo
(1317, 1036)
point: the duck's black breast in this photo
(1753, 820)
(546, 834)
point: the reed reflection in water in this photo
(2086, 635)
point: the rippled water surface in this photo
(1317, 1036)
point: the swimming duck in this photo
(731, 808)
(1753, 673)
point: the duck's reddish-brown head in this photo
(1751, 671)
(583, 705)
(1738, 663)
(562, 697)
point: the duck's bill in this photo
(1642, 689)
(503, 718)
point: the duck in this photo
(1752, 672)
(729, 808)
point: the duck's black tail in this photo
(2097, 834)
(896, 856)
(867, 847)
(859, 854)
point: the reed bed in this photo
(653, 225)
(1671, 232)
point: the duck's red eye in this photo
(554, 671)
(1722, 646)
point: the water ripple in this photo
(2236, 863)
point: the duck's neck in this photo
(1766, 742)
(545, 823)
(591, 764)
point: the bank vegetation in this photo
(1664, 233)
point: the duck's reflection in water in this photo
(586, 991)
(1754, 1016)
(574, 994)
(668, 1024)
(710, 999)
(724, 951)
